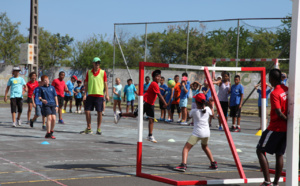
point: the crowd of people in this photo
(48, 99)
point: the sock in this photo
(239, 126)
(150, 134)
(234, 125)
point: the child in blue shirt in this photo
(69, 95)
(259, 100)
(37, 104)
(169, 94)
(16, 85)
(236, 100)
(78, 96)
(48, 97)
(117, 95)
(209, 100)
(129, 91)
(185, 90)
(147, 83)
(163, 87)
(195, 87)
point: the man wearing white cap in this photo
(16, 85)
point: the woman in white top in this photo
(201, 132)
(224, 90)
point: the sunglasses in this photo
(97, 63)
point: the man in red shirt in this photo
(273, 139)
(60, 88)
(149, 99)
(31, 85)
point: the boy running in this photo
(129, 91)
(201, 132)
(273, 139)
(48, 97)
(31, 85)
(78, 96)
(16, 85)
(149, 100)
(37, 104)
(162, 87)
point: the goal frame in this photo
(242, 175)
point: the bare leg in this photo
(264, 165)
(132, 108)
(99, 119)
(179, 115)
(184, 110)
(127, 108)
(129, 114)
(13, 115)
(164, 113)
(48, 124)
(60, 113)
(185, 152)
(239, 121)
(34, 117)
(279, 166)
(53, 120)
(88, 119)
(43, 118)
(207, 152)
(29, 111)
(115, 105)
(233, 120)
(119, 104)
(71, 104)
(150, 126)
(104, 105)
(19, 115)
(65, 106)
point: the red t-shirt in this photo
(279, 100)
(59, 86)
(151, 94)
(31, 86)
(95, 74)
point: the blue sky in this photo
(83, 18)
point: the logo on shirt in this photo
(15, 81)
(284, 95)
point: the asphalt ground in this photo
(110, 158)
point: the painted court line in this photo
(32, 171)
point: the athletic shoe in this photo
(86, 131)
(169, 120)
(232, 128)
(13, 124)
(266, 184)
(70, 110)
(152, 139)
(183, 123)
(103, 114)
(44, 127)
(76, 111)
(210, 125)
(136, 112)
(238, 129)
(51, 132)
(213, 165)
(117, 117)
(49, 135)
(220, 128)
(155, 120)
(99, 132)
(31, 123)
(61, 121)
(19, 122)
(182, 167)
(79, 112)
(179, 121)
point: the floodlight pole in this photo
(145, 57)
(187, 44)
(237, 44)
(292, 155)
(34, 35)
(114, 63)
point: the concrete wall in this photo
(248, 80)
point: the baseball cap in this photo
(283, 75)
(200, 97)
(219, 76)
(16, 68)
(79, 81)
(184, 78)
(96, 59)
(75, 77)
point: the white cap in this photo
(219, 76)
(16, 68)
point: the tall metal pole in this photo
(34, 34)
(114, 62)
(237, 43)
(187, 44)
(292, 155)
(145, 57)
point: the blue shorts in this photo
(130, 103)
(94, 102)
(48, 110)
(38, 110)
(183, 102)
(118, 98)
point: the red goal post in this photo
(242, 175)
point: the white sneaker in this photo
(19, 122)
(117, 117)
(76, 111)
(79, 112)
(183, 123)
(103, 114)
(13, 124)
(152, 139)
(179, 121)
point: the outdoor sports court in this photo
(110, 159)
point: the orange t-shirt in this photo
(177, 91)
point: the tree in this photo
(10, 38)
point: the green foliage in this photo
(10, 38)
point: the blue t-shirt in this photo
(48, 93)
(16, 87)
(284, 81)
(118, 90)
(37, 94)
(129, 90)
(78, 90)
(165, 87)
(194, 93)
(235, 95)
(184, 95)
(168, 95)
(208, 94)
(70, 86)
(259, 96)
(146, 86)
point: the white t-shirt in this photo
(201, 126)
(118, 90)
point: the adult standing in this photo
(60, 88)
(69, 95)
(95, 83)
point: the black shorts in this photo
(78, 101)
(259, 112)
(68, 98)
(16, 103)
(48, 110)
(161, 105)
(60, 101)
(173, 108)
(235, 111)
(94, 102)
(149, 110)
(29, 100)
(272, 142)
(224, 106)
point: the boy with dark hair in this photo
(69, 95)
(78, 96)
(163, 88)
(31, 85)
(129, 91)
(273, 139)
(236, 100)
(149, 100)
(37, 104)
(146, 84)
(176, 100)
(16, 85)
